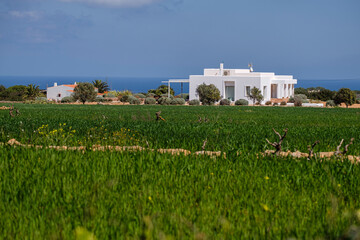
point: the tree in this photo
(32, 91)
(255, 95)
(2, 92)
(345, 95)
(208, 94)
(84, 92)
(14, 93)
(101, 86)
(162, 89)
(323, 94)
(301, 91)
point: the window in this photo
(248, 90)
(59, 95)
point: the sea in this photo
(141, 84)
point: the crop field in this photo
(79, 194)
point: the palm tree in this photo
(32, 91)
(101, 86)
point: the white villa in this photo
(235, 84)
(58, 92)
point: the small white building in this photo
(236, 84)
(59, 92)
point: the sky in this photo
(175, 38)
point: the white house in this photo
(59, 92)
(236, 84)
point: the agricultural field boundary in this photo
(320, 155)
(176, 151)
(179, 151)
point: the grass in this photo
(48, 194)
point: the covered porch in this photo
(181, 81)
(282, 90)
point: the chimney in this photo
(221, 69)
(55, 84)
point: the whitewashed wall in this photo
(242, 80)
(53, 92)
(240, 84)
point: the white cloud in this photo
(117, 3)
(25, 14)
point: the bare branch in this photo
(204, 144)
(277, 133)
(347, 146)
(338, 147)
(311, 149)
(272, 144)
(277, 145)
(11, 111)
(158, 117)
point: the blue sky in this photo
(175, 38)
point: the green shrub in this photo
(166, 95)
(164, 101)
(67, 100)
(194, 102)
(242, 102)
(256, 96)
(151, 95)
(133, 100)
(330, 103)
(40, 99)
(125, 98)
(345, 95)
(99, 98)
(283, 103)
(162, 89)
(298, 101)
(150, 101)
(301, 97)
(139, 95)
(84, 92)
(125, 92)
(14, 93)
(177, 101)
(225, 102)
(184, 96)
(208, 94)
(109, 95)
(275, 104)
(268, 103)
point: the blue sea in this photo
(137, 85)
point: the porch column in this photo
(279, 93)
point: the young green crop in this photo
(50, 194)
(228, 128)
(47, 194)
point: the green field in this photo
(49, 194)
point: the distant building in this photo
(58, 92)
(236, 84)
